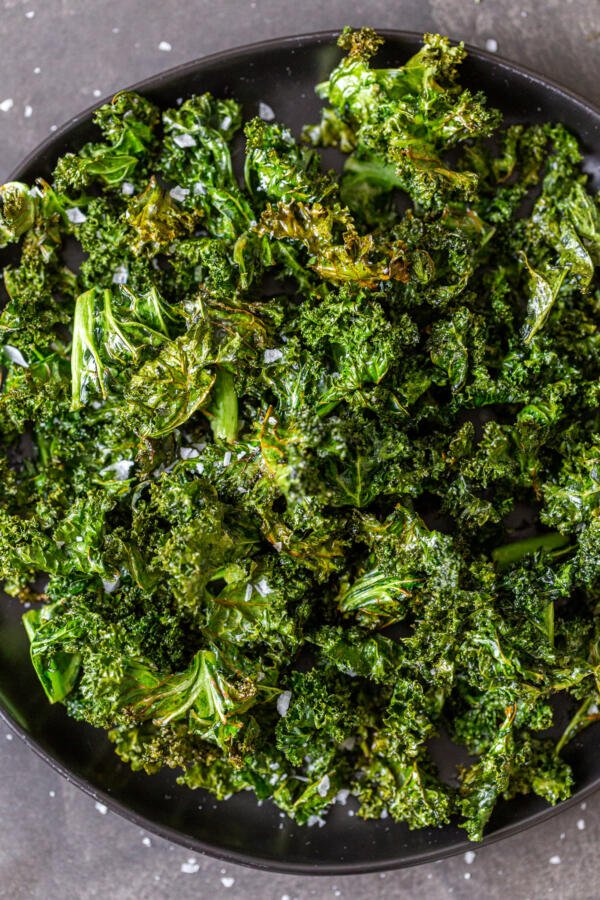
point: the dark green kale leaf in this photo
(127, 124)
(17, 211)
(402, 119)
(301, 473)
(365, 260)
(401, 785)
(278, 169)
(196, 157)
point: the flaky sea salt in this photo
(190, 867)
(227, 881)
(27, 111)
(263, 588)
(283, 702)
(127, 188)
(120, 468)
(102, 809)
(109, 584)
(179, 193)
(554, 860)
(265, 112)
(184, 140)
(7, 105)
(165, 46)
(188, 452)
(15, 356)
(75, 215)
(469, 857)
(272, 355)
(491, 45)
(120, 275)
(323, 786)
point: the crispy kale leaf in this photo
(301, 471)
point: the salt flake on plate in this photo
(265, 112)
(190, 867)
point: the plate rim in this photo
(269, 864)
(297, 41)
(590, 109)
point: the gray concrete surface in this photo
(56, 57)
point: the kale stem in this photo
(574, 725)
(511, 553)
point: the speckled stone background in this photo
(57, 57)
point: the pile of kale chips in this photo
(313, 467)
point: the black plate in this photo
(281, 73)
